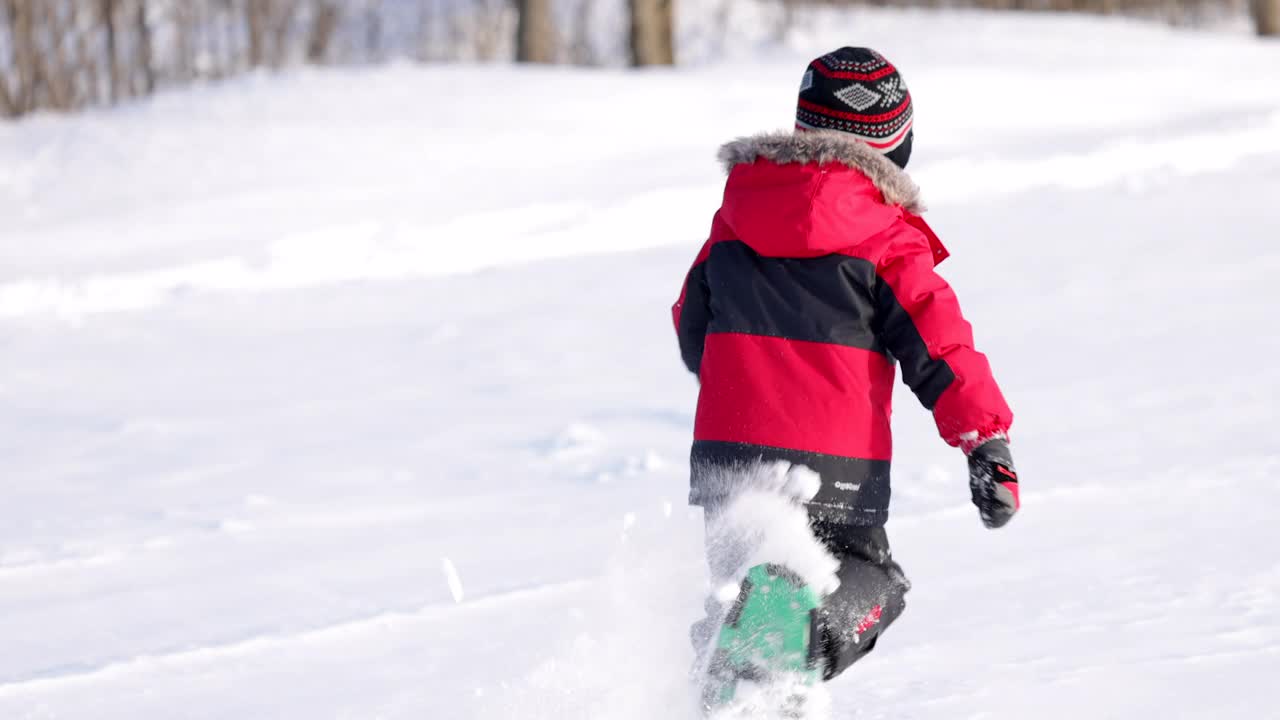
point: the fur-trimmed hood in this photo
(827, 146)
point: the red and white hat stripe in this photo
(880, 144)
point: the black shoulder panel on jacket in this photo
(827, 299)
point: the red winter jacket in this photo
(817, 275)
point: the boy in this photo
(817, 277)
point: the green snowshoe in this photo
(767, 637)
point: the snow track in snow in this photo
(333, 634)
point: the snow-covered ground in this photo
(352, 394)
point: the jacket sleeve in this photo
(692, 311)
(919, 321)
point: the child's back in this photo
(818, 275)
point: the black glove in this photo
(993, 482)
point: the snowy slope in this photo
(352, 394)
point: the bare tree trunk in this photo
(256, 19)
(144, 48)
(53, 65)
(652, 27)
(281, 23)
(8, 103)
(372, 31)
(1266, 13)
(535, 32)
(7, 106)
(183, 41)
(86, 63)
(323, 25)
(25, 58)
(229, 52)
(108, 9)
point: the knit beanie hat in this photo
(858, 91)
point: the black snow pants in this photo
(870, 597)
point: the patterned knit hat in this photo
(858, 91)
